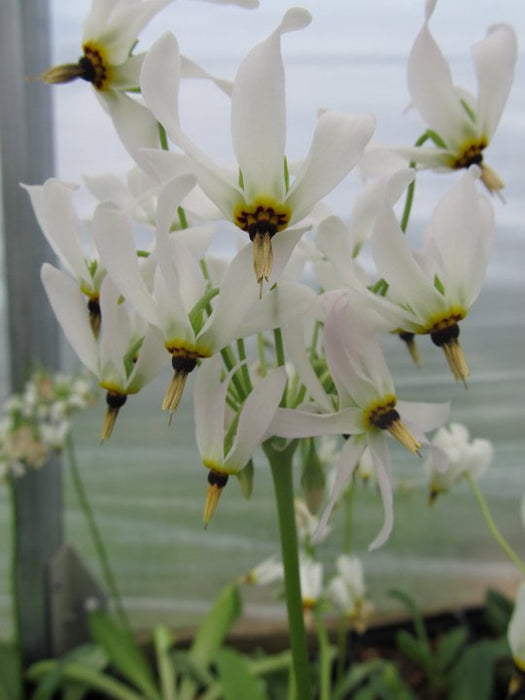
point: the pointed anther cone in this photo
(262, 257)
(174, 391)
(114, 404)
(491, 179)
(216, 484)
(456, 360)
(65, 73)
(404, 436)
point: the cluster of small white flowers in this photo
(35, 422)
(127, 312)
(344, 591)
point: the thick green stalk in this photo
(494, 530)
(15, 602)
(96, 537)
(281, 465)
(325, 658)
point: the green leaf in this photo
(216, 625)
(438, 284)
(123, 652)
(473, 676)
(164, 641)
(236, 679)
(450, 647)
(410, 604)
(10, 673)
(414, 649)
(498, 611)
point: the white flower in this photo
(128, 354)
(55, 212)
(516, 630)
(347, 591)
(431, 291)
(464, 456)
(367, 409)
(174, 302)
(463, 125)
(268, 571)
(213, 423)
(311, 577)
(263, 203)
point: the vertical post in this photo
(26, 154)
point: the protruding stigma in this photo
(114, 404)
(447, 340)
(216, 484)
(183, 362)
(410, 340)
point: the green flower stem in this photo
(163, 137)
(15, 602)
(281, 465)
(96, 537)
(279, 347)
(241, 351)
(325, 658)
(411, 188)
(342, 626)
(260, 351)
(495, 532)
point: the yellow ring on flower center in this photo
(470, 154)
(381, 413)
(98, 69)
(263, 216)
(442, 322)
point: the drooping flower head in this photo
(461, 125)
(367, 408)
(226, 440)
(431, 291)
(260, 200)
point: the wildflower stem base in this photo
(281, 465)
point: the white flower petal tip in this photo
(296, 18)
(430, 6)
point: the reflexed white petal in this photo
(337, 145)
(53, 206)
(97, 18)
(433, 93)
(293, 423)
(427, 416)
(427, 157)
(134, 123)
(151, 359)
(354, 354)
(396, 264)
(379, 451)
(297, 352)
(117, 251)
(258, 113)
(348, 460)
(256, 415)
(209, 400)
(114, 342)
(126, 76)
(159, 83)
(160, 87)
(190, 69)
(122, 25)
(494, 58)
(456, 232)
(70, 308)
